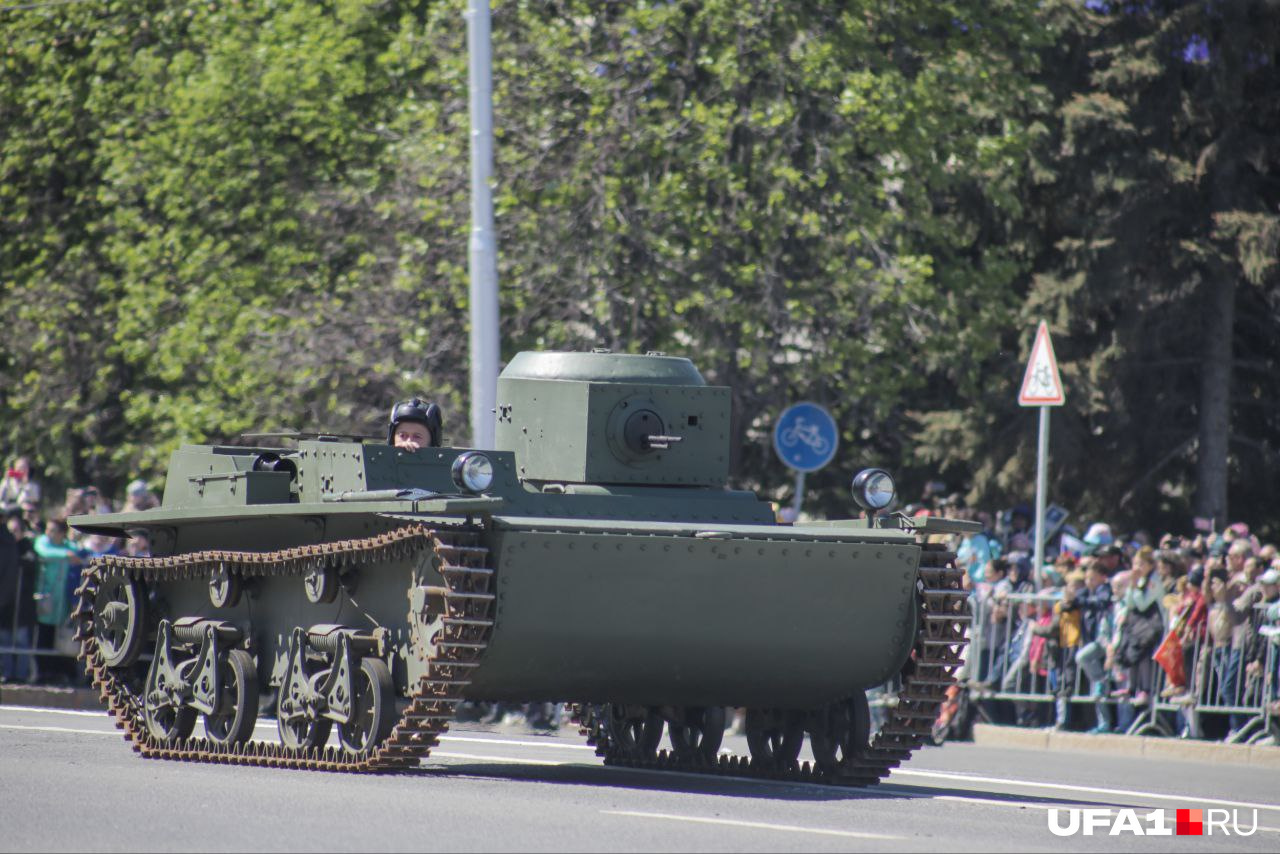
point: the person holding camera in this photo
(18, 489)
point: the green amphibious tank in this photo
(595, 556)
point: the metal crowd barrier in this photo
(1224, 683)
(1005, 663)
(19, 654)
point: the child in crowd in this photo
(1065, 626)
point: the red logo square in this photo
(1190, 823)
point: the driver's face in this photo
(410, 436)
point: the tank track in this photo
(940, 639)
(463, 563)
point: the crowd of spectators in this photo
(41, 558)
(1180, 630)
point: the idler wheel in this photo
(775, 738)
(238, 704)
(634, 731)
(838, 733)
(118, 619)
(698, 738)
(373, 707)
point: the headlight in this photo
(473, 472)
(873, 489)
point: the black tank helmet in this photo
(426, 414)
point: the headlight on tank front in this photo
(473, 472)
(873, 489)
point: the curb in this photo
(81, 699)
(1258, 756)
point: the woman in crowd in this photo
(1218, 685)
(59, 558)
(1143, 626)
(1187, 617)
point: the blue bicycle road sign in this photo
(805, 436)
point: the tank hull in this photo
(653, 614)
(742, 619)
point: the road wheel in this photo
(373, 708)
(237, 712)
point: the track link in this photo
(461, 641)
(940, 639)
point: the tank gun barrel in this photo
(662, 443)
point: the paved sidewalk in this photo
(1262, 756)
(54, 698)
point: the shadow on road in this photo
(736, 787)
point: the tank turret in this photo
(613, 418)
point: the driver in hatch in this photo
(414, 424)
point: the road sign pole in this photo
(1042, 387)
(1042, 468)
(799, 496)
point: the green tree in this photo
(201, 239)
(811, 201)
(805, 199)
(60, 398)
(1155, 197)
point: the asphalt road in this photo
(69, 782)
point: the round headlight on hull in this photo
(873, 489)
(473, 472)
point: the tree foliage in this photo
(798, 196)
(230, 216)
(1155, 197)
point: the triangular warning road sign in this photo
(1041, 385)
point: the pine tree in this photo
(1157, 194)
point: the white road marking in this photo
(514, 760)
(64, 729)
(104, 714)
(753, 825)
(518, 760)
(996, 802)
(549, 743)
(1186, 800)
